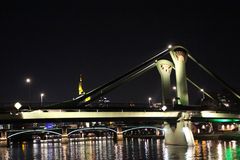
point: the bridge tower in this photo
(80, 86)
(179, 57)
(165, 68)
(80, 89)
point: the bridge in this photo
(177, 117)
(121, 115)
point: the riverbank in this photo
(219, 136)
(212, 136)
(144, 136)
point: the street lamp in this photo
(174, 88)
(149, 101)
(173, 101)
(41, 96)
(203, 94)
(28, 82)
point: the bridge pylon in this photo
(165, 68)
(179, 57)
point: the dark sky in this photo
(53, 43)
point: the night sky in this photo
(53, 43)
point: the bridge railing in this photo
(6, 107)
(98, 107)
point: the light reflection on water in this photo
(128, 149)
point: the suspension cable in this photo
(223, 83)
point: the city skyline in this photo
(54, 44)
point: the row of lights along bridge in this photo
(174, 99)
(28, 82)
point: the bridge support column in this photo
(179, 57)
(164, 68)
(3, 138)
(64, 135)
(158, 132)
(179, 133)
(119, 134)
(238, 127)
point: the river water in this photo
(129, 149)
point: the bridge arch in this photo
(142, 127)
(37, 130)
(92, 128)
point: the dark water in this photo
(102, 148)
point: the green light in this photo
(224, 120)
(238, 152)
(228, 154)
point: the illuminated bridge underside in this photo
(85, 116)
(212, 116)
(98, 115)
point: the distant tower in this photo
(165, 67)
(80, 89)
(179, 56)
(80, 86)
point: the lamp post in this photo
(174, 88)
(149, 101)
(175, 99)
(203, 94)
(173, 102)
(28, 82)
(41, 96)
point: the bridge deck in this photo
(59, 115)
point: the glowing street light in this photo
(28, 80)
(174, 88)
(41, 96)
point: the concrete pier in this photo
(3, 138)
(64, 135)
(119, 134)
